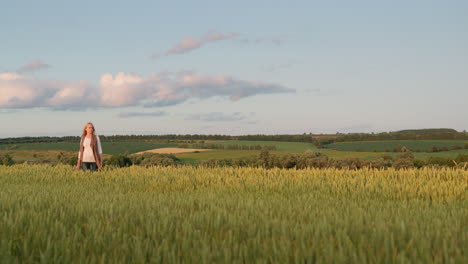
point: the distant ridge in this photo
(426, 131)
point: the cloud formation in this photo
(20, 91)
(218, 117)
(33, 66)
(188, 44)
(123, 89)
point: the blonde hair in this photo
(84, 129)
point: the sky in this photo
(232, 67)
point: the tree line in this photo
(317, 139)
(416, 134)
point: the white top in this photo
(88, 155)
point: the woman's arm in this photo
(99, 149)
(78, 161)
(99, 145)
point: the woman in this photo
(90, 155)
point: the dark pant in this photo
(89, 166)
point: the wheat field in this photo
(228, 215)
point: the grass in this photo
(185, 215)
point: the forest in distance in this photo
(323, 139)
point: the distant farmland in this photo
(388, 146)
(115, 147)
(50, 151)
(280, 145)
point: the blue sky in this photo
(237, 67)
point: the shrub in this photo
(403, 164)
(66, 158)
(461, 158)
(288, 161)
(155, 159)
(306, 161)
(440, 161)
(6, 160)
(387, 157)
(266, 160)
(456, 147)
(399, 148)
(118, 161)
(419, 163)
(354, 163)
(215, 163)
(72, 161)
(380, 163)
(406, 155)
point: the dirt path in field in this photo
(172, 150)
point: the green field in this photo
(118, 147)
(445, 154)
(186, 215)
(382, 146)
(281, 146)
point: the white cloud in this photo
(123, 89)
(33, 66)
(19, 91)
